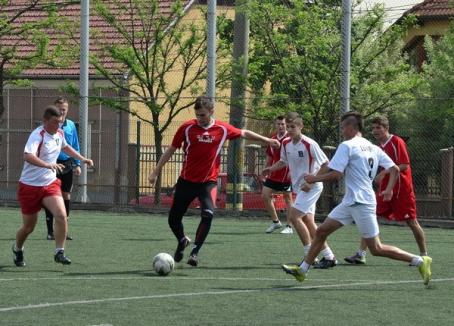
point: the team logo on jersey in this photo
(57, 141)
(205, 138)
(301, 153)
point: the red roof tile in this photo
(72, 12)
(433, 9)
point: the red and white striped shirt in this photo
(202, 146)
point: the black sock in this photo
(202, 233)
(49, 221)
(67, 202)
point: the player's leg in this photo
(66, 188)
(184, 194)
(28, 225)
(267, 196)
(328, 260)
(56, 206)
(419, 235)
(207, 198)
(288, 199)
(49, 224)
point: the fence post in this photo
(447, 181)
(138, 163)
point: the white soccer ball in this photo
(163, 263)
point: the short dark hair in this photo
(203, 102)
(355, 119)
(381, 120)
(293, 117)
(51, 111)
(61, 100)
(280, 117)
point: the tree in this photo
(159, 61)
(295, 63)
(16, 33)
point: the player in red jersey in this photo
(202, 139)
(402, 206)
(278, 181)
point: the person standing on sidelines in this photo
(303, 156)
(402, 206)
(278, 181)
(202, 139)
(358, 160)
(39, 186)
(71, 165)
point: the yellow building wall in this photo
(429, 28)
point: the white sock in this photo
(18, 249)
(306, 249)
(327, 253)
(305, 267)
(59, 249)
(361, 252)
(416, 261)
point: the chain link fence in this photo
(124, 155)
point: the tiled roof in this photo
(97, 27)
(433, 9)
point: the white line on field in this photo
(190, 294)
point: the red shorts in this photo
(31, 197)
(399, 208)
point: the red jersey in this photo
(281, 175)
(202, 146)
(396, 149)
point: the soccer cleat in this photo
(68, 237)
(325, 263)
(273, 227)
(424, 269)
(287, 230)
(356, 259)
(61, 258)
(18, 257)
(193, 260)
(178, 256)
(50, 236)
(295, 271)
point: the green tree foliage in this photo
(295, 63)
(159, 61)
(18, 32)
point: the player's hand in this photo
(152, 178)
(266, 172)
(274, 143)
(77, 171)
(387, 195)
(306, 187)
(309, 178)
(56, 167)
(88, 162)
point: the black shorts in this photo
(187, 191)
(66, 176)
(278, 186)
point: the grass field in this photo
(238, 281)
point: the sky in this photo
(394, 8)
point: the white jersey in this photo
(359, 160)
(304, 157)
(47, 147)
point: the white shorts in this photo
(305, 201)
(363, 214)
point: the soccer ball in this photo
(163, 263)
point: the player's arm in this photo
(162, 161)
(35, 160)
(276, 166)
(73, 153)
(393, 176)
(248, 134)
(330, 175)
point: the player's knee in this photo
(206, 215)
(321, 233)
(375, 250)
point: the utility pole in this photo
(235, 160)
(211, 50)
(83, 93)
(346, 48)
